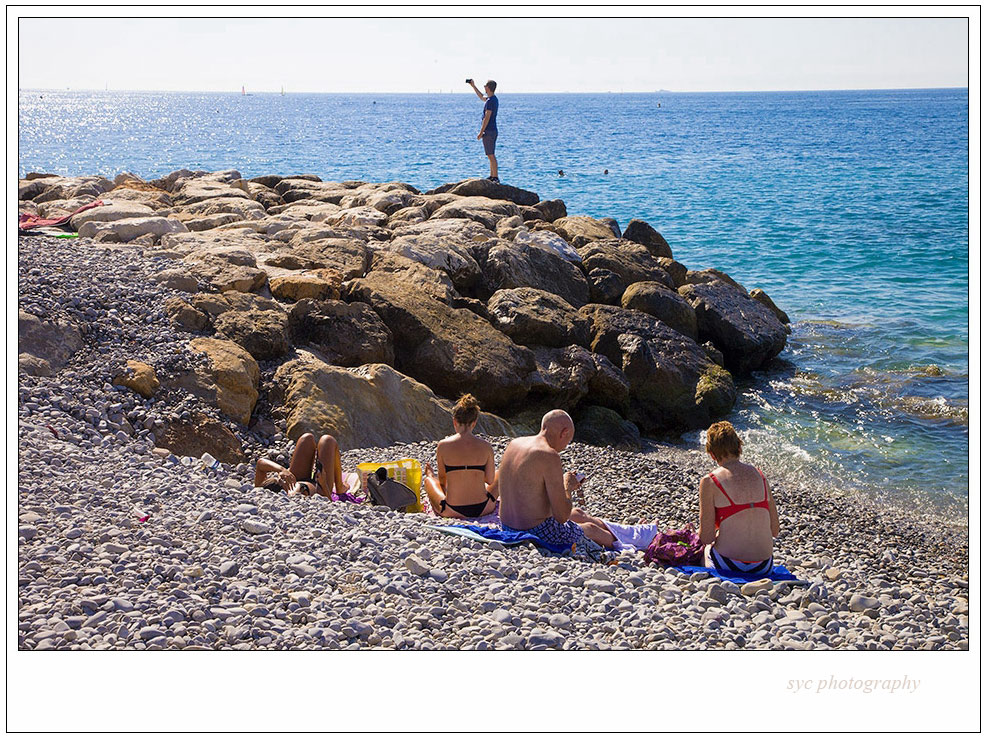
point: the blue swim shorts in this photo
(557, 534)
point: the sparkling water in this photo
(848, 208)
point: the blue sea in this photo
(848, 208)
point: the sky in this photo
(522, 55)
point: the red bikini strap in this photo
(717, 483)
(765, 481)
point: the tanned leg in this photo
(332, 471)
(436, 496)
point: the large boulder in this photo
(629, 261)
(321, 248)
(446, 245)
(764, 299)
(747, 332)
(561, 377)
(564, 377)
(363, 215)
(511, 264)
(368, 406)
(203, 188)
(228, 380)
(642, 233)
(658, 300)
(604, 427)
(322, 284)
(258, 324)
(451, 350)
(292, 189)
(581, 230)
(484, 211)
(551, 240)
(242, 208)
(345, 334)
(200, 435)
(534, 317)
(551, 210)
(128, 229)
(110, 211)
(673, 384)
(388, 267)
(137, 192)
(50, 343)
(488, 189)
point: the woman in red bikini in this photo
(463, 488)
(737, 515)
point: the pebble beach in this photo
(123, 547)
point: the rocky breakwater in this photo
(282, 283)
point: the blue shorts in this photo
(489, 142)
(555, 533)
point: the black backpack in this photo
(389, 492)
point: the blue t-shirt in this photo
(492, 104)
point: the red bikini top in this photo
(724, 512)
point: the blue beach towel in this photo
(778, 572)
(488, 534)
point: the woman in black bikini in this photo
(314, 468)
(464, 487)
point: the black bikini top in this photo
(457, 467)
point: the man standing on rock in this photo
(488, 129)
(535, 495)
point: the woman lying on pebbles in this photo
(737, 516)
(314, 468)
(471, 463)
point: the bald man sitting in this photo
(535, 495)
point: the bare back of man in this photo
(528, 469)
(535, 493)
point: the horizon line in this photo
(470, 93)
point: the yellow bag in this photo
(406, 471)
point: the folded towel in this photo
(778, 572)
(636, 536)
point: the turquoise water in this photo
(848, 208)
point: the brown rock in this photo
(534, 317)
(229, 379)
(176, 279)
(369, 406)
(629, 261)
(184, 316)
(603, 427)
(673, 384)
(345, 334)
(321, 285)
(551, 210)
(642, 233)
(509, 265)
(52, 342)
(748, 333)
(581, 230)
(485, 211)
(452, 351)
(764, 299)
(488, 189)
(257, 324)
(658, 300)
(139, 377)
(203, 435)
